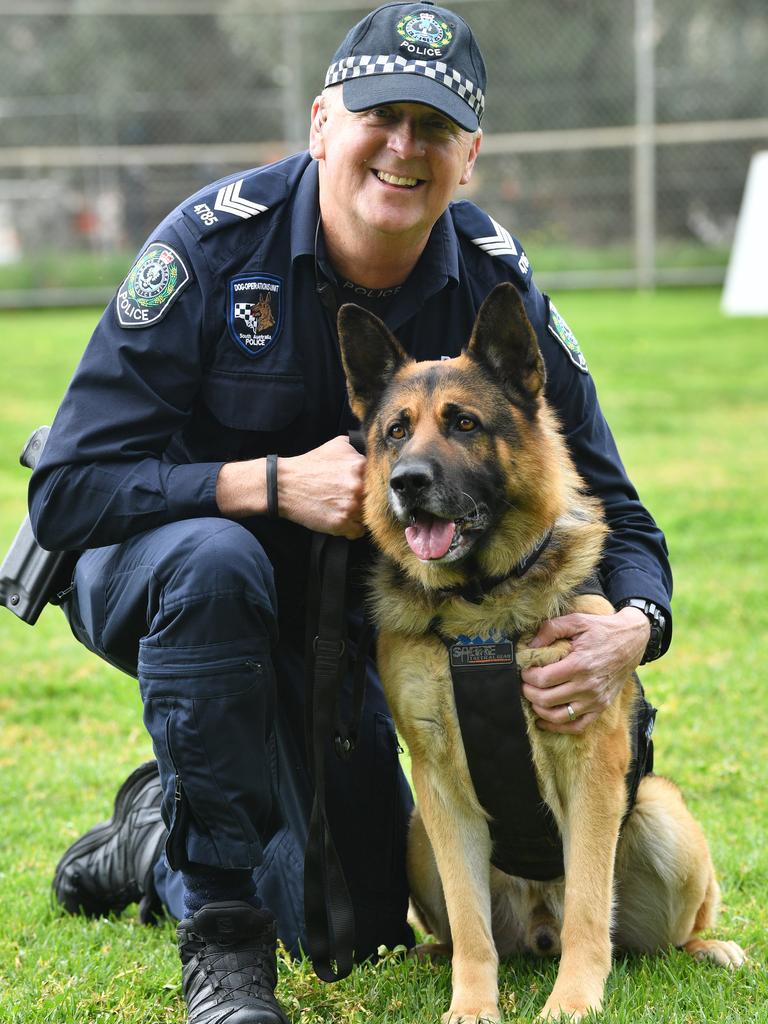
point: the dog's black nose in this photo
(411, 480)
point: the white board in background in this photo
(745, 292)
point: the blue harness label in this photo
(481, 655)
(255, 312)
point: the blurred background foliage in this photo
(109, 118)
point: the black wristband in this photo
(272, 487)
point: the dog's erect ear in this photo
(504, 340)
(371, 355)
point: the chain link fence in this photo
(617, 137)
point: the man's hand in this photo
(604, 650)
(323, 489)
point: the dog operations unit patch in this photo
(155, 281)
(560, 330)
(255, 311)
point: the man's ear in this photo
(318, 117)
(471, 157)
(505, 342)
(370, 354)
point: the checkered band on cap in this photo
(386, 64)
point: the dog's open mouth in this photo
(432, 539)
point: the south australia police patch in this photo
(156, 280)
(255, 311)
(559, 329)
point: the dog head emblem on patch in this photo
(254, 312)
(436, 483)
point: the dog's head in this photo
(462, 454)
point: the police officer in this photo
(219, 353)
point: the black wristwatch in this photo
(658, 621)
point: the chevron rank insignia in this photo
(228, 200)
(560, 330)
(156, 280)
(490, 236)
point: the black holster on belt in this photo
(30, 576)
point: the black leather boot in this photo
(229, 966)
(112, 864)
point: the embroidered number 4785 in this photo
(206, 214)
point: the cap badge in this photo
(424, 29)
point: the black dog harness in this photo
(486, 686)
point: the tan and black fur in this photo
(471, 440)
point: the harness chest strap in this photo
(525, 838)
(486, 688)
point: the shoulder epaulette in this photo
(487, 234)
(235, 199)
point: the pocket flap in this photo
(251, 401)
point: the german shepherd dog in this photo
(466, 472)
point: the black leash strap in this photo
(329, 917)
(328, 910)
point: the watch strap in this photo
(658, 623)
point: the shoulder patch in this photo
(155, 281)
(490, 236)
(560, 330)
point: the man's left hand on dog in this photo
(603, 650)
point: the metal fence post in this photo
(645, 148)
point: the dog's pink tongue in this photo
(429, 537)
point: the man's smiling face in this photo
(392, 169)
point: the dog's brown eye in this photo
(397, 432)
(465, 423)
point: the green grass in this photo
(686, 392)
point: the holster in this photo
(30, 576)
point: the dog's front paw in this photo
(537, 657)
(571, 1006)
(472, 1015)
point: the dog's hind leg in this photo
(667, 892)
(461, 843)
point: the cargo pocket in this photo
(210, 725)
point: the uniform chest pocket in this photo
(262, 402)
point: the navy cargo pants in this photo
(191, 610)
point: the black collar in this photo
(476, 589)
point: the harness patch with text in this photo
(156, 280)
(255, 312)
(479, 653)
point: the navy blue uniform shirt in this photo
(218, 347)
